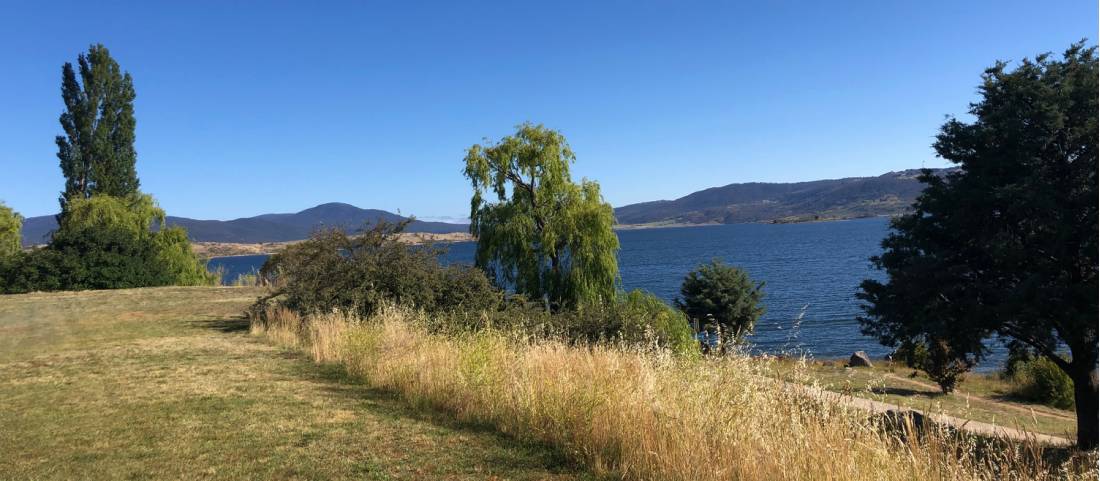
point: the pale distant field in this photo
(207, 250)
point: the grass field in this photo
(166, 383)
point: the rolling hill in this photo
(888, 194)
(266, 227)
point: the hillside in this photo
(266, 227)
(853, 197)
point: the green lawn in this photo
(167, 384)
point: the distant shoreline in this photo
(784, 220)
(209, 250)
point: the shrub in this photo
(333, 271)
(109, 243)
(11, 225)
(723, 298)
(944, 366)
(912, 353)
(937, 359)
(1040, 380)
(636, 318)
(467, 288)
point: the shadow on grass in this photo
(334, 380)
(906, 392)
(229, 326)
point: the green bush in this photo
(335, 271)
(11, 225)
(1039, 379)
(937, 359)
(636, 317)
(108, 243)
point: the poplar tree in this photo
(544, 235)
(97, 151)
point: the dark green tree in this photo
(548, 237)
(719, 296)
(97, 151)
(1007, 244)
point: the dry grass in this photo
(981, 397)
(644, 415)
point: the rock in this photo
(859, 359)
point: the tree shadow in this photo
(901, 391)
(335, 381)
(229, 326)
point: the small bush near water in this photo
(641, 413)
(1038, 379)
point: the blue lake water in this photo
(811, 273)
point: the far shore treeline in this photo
(1002, 247)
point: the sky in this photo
(246, 108)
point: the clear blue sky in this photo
(248, 108)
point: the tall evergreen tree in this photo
(97, 151)
(547, 236)
(1007, 245)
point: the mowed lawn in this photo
(166, 383)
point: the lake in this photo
(811, 273)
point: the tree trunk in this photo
(1086, 397)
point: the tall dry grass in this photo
(642, 414)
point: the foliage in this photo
(108, 242)
(721, 297)
(635, 318)
(944, 366)
(546, 236)
(935, 358)
(1006, 245)
(335, 271)
(1039, 379)
(97, 153)
(11, 227)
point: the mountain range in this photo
(266, 227)
(888, 194)
(853, 197)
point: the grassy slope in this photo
(167, 384)
(981, 397)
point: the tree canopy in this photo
(545, 235)
(11, 228)
(719, 296)
(1006, 245)
(97, 151)
(110, 235)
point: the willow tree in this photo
(97, 151)
(538, 231)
